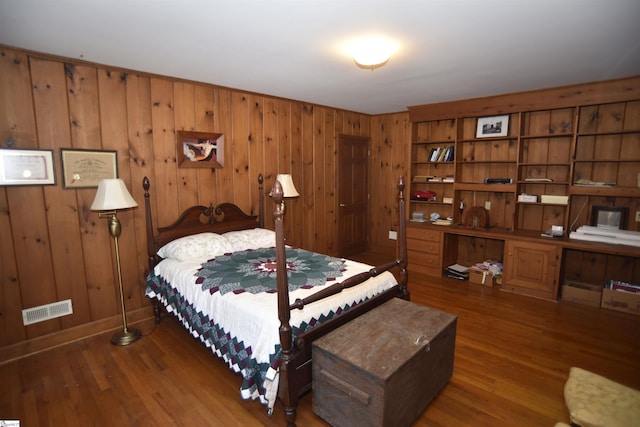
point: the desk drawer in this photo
(428, 246)
(422, 233)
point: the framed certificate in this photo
(86, 168)
(26, 167)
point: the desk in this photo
(533, 265)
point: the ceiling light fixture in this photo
(372, 52)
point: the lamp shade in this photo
(288, 189)
(112, 194)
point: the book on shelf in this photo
(441, 154)
(448, 178)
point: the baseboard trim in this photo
(66, 336)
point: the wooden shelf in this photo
(564, 141)
(480, 186)
(606, 191)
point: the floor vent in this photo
(46, 312)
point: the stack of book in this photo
(442, 154)
(457, 271)
(619, 285)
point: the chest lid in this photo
(385, 338)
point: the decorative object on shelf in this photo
(112, 196)
(554, 199)
(527, 198)
(476, 217)
(614, 218)
(200, 150)
(26, 167)
(86, 168)
(495, 126)
(498, 181)
(427, 196)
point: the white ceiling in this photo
(449, 49)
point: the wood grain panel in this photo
(185, 119)
(330, 181)
(270, 164)
(114, 132)
(164, 153)
(223, 120)
(308, 176)
(204, 101)
(82, 84)
(140, 149)
(299, 138)
(256, 148)
(240, 158)
(17, 126)
(319, 175)
(62, 209)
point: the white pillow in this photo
(251, 239)
(203, 245)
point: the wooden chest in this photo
(384, 367)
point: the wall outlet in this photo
(637, 216)
(487, 205)
(393, 235)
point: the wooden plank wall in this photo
(53, 247)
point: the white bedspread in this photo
(253, 318)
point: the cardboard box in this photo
(583, 293)
(626, 302)
(481, 277)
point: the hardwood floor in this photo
(512, 359)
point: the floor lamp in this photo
(112, 195)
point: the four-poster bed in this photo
(257, 303)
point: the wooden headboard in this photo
(199, 219)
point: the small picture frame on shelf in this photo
(491, 127)
(613, 218)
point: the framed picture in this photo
(26, 167)
(489, 127)
(85, 168)
(200, 149)
(609, 217)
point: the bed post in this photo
(402, 241)
(151, 252)
(286, 340)
(260, 201)
(151, 247)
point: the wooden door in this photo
(353, 195)
(531, 269)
